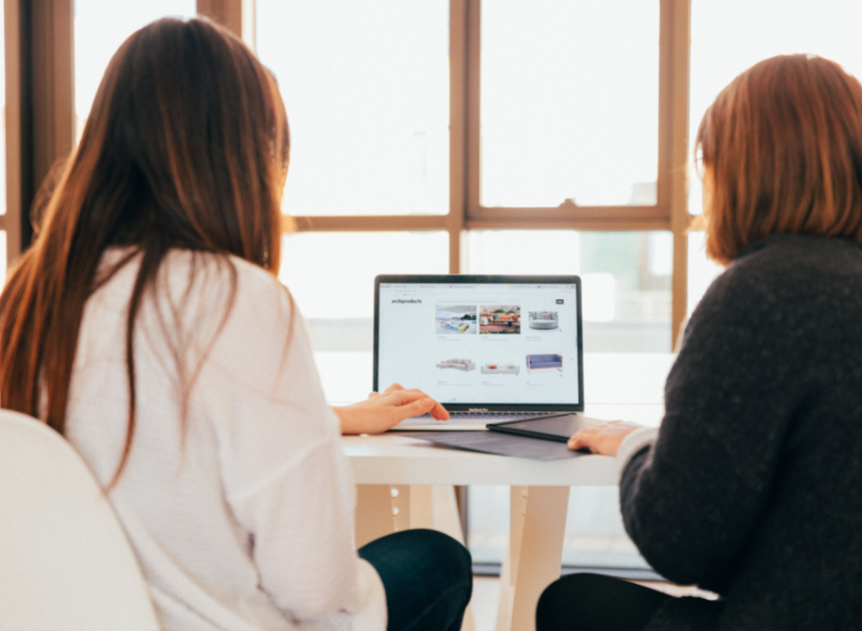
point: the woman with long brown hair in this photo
(146, 324)
(750, 488)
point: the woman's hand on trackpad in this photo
(384, 410)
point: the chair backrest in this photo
(65, 562)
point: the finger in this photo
(416, 408)
(439, 412)
(403, 397)
(373, 394)
(581, 440)
(398, 388)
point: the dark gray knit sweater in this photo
(754, 486)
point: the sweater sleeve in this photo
(633, 444)
(692, 501)
(285, 478)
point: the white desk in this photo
(407, 483)
(617, 386)
(395, 459)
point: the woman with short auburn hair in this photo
(146, 324)
(789, 164)
(750, 487)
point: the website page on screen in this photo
(490, 344)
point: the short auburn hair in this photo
(782, 146)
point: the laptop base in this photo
(464, 421)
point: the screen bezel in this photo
(488, 279)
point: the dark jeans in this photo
(428, 578)
(587, 602)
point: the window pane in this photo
(366, 87)
(331, 277)
(626, 279)
(728, 36)
(569, 102)
(100, 27)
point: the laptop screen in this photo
(495, 342)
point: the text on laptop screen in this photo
(491, 344)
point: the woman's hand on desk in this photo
(604, 439)
(384, 410)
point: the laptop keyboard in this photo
(491, 417)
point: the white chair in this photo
(65, 562)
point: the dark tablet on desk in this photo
(556, 428)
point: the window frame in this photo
(465, 211)
(40, 112)
(39, 41)
(656, 216)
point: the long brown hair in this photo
(186, 146)
(782, 146)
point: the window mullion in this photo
(459, 120)
(236, 15)
(678, 54)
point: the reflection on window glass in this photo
(728, 36)
(569, 102)
(626, 279)
(100, 27)
(331, 276)
(366, 86)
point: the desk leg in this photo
(374, 517)
(447, 520)
(537, 528)
(383, 509)
(504, 605)
(509, 569)
(422, 507)
(436, 507)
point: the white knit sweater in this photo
(241, 514)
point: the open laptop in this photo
(489, 348)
